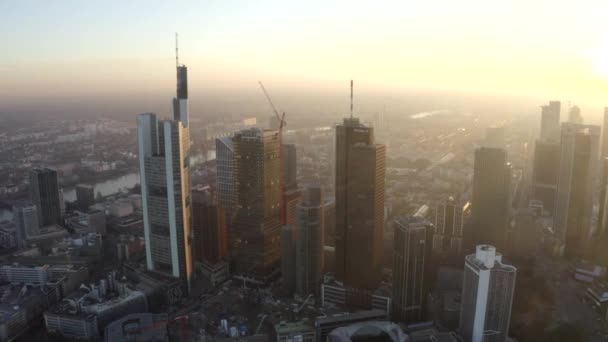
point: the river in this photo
(111, 186)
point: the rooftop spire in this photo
(176, 51)
(351, 99)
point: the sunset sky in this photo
(544, 48)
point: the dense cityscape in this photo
(435, 222)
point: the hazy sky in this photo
(554, 49)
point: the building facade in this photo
(449, 223)
(164, 160)
(44, 193)
(487, 296)
(27, 225)
(309, 242)
(549, 121)
(359, 192)
(258, 219)
(411, 268)
(491, 197)
(577, 171)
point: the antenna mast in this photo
(351, 99)
(176, 51)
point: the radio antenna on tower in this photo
(176, 51)
(351, 99)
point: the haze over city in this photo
(111, 56)
(407, 171)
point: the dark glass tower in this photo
(491, 197)
(44, 193)
(411, 268)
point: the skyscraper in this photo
(44, 193)
(309, 241)
(258, 219)
(288, 259)
(487, 296)
(411, 268)
(574, 115)
(290, 166)
(573, 205)
(226, 186)
(210, 236)
(549, 122)
(604, 153)
(26, 223)
(545, 173)
(85, 196)
(448, 227)
(601, 235)
(495, 137)
(491, 197)
(164, 163)
(360, 169)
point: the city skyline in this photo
(234, 223)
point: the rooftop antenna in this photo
(176, 51)
(351, 99)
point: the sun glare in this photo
(600, 62)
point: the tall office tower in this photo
(288, 259)
(360, 169)
(209, 227)
(413, 239)
(574, 115)
(309, 241)
(164, 164)
(44, 193)
(258, 220)
(549, 121)
(604, 153)
(26, 223)
(573, 205)
(545, 172)
(601, 240)
(85, 196)
(226, 182)
(447, 239)
(495, 137)
(292, 194)
(491, 197)
(292, 199)
(487, 296)
(290, 166)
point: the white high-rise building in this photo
(164, 149)
(487, 296)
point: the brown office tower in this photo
(258, 219)
(545, 173)
(210, 235)
(574, 201)
(580, 205)
(360, 169)
(491, 198)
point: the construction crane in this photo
(282, 124)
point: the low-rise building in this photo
(87, 311)
(301, 331)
